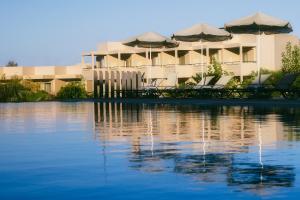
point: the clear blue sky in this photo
(55, 32)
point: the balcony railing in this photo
(187, 70)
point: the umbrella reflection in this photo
(203, 140)
(150, 130)
(222, 135)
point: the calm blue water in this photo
(118, 151)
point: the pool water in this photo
(87, 150)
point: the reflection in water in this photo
(203, 143)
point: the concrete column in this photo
(139, 81)
(119, 57)
(123, 83)
(118, 83)
(176, 57)
(93, 69)
(207, 56)
(106, 78)
(95, 84)
(133, 77)
(101, 90)
(222, 55)
(241, 63)
(112, 84)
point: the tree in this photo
(73, 90)
(215, 70)
(12, 63)
(291, 59)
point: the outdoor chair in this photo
(284, 85)
(171, 81)
(258, 81)
(220, 84)
(204, 82)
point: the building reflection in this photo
(201, 142)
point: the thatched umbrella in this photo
(150, 40)
(257, 24)
(200, 33)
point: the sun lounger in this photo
(204, 82)
(221, 83)
(171, 81)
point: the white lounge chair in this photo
(171, 81)
(204, 82)
(154, 84)
(221, 83)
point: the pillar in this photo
(176, 57)
(241, 63)
(118, 83)
(207, 56)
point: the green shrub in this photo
(296, 83)
(233, 83)
(73, 90)
(274, 78)
(14, 91)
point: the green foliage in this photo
(215, 69)
(296, 83)
(32, 86)
(233, 83)
(14, 91)
(274, 78)
(73, 90)
(247, 80)
(197, 78)
(11, 63)
(291, 59)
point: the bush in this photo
(73, 90)
(296, 83)
(14, 91)
(215, 70)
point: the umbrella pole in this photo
(203, 138)
(258, 55)
(150, 75)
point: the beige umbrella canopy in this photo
(201, 32)
(150, 40)
(259, 23)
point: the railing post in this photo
(241, 63)
(118, 81)
(123, 82)
(106, 84)
(100, 84)
(112, 84)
